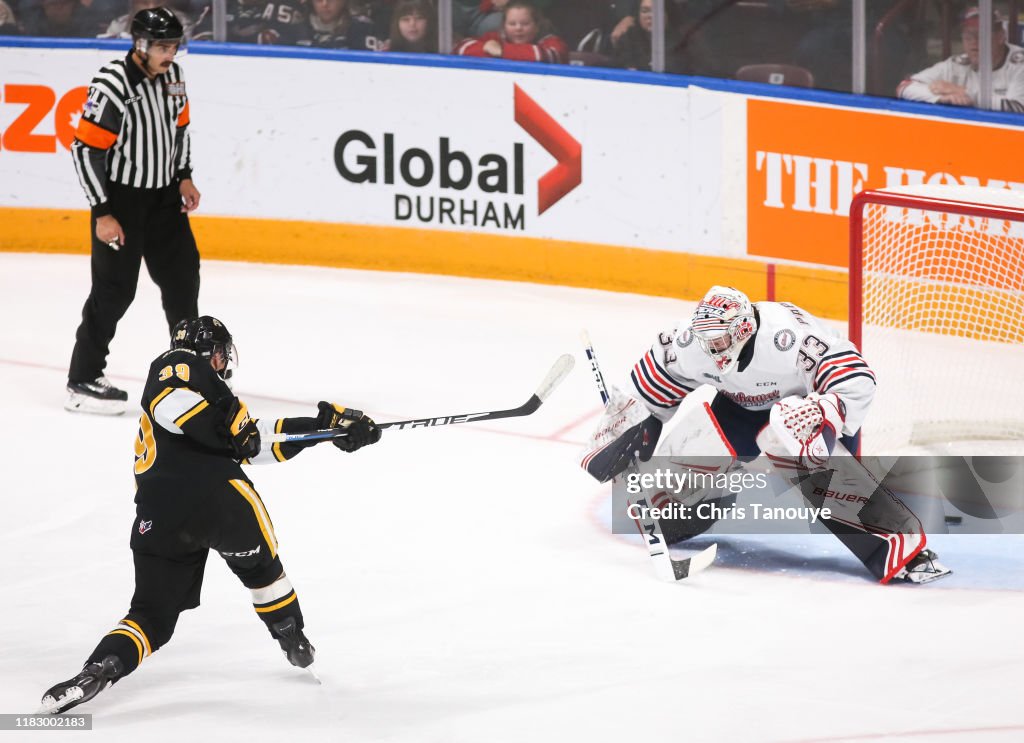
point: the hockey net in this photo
(937, 308)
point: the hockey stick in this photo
(665, 566)
(554, 377)
(592, 357)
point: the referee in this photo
(131, 152)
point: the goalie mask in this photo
(208, 338)
(723, 323)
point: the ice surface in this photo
(459, 583)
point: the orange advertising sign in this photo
(806, 162)
(33, 105)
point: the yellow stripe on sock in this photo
(278, 605)
(134, 639)
(137, 628)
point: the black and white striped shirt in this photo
(133, 131)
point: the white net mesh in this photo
(943, 321)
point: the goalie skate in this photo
(924, 568)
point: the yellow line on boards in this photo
(471, 254)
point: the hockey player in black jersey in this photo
(193, 496)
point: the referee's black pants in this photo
(155, 229)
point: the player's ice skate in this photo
(99, 397)
(296, 646)
(94, 678)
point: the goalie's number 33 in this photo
(813, 348)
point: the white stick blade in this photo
(703, 559)
(554, 378)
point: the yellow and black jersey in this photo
(184, 428)
(183, 432)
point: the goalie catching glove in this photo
(626, 430)
(360, 429)
(804, 428)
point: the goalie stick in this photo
(554, 377)
(667, 568)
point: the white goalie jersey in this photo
(792, 353)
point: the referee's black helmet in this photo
(157, 24)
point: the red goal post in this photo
(936, 305)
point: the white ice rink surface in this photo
(458, 583)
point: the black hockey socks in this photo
(278, 606)
(277, 602)
(129, 642)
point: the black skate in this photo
(98, 396)
(924, 568)
(93, 679)
(295, 645)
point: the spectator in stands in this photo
(59, 18)
(464, 12)
(8, 24)
(331, 26)
(590, 25)
(121, 27)
(375, 12)
(632, 49)
(525, 36)
(102, 12)
(631, 42)
(413, 28)
(490, 15)
(955, 81)
(259, 22)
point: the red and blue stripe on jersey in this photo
(838, 368)
(655, 384)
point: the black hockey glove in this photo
(243, 433)
(361, 430)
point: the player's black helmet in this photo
(156, 24)
(206, 336)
